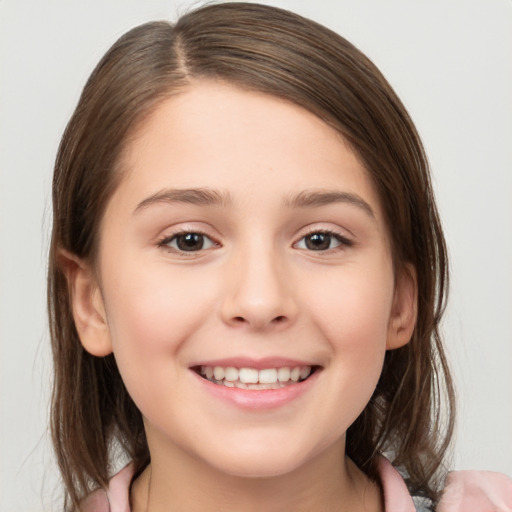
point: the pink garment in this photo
(476, 491)
(465, 491)
(116, 498)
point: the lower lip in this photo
(258, 398)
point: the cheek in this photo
(353, 313)
(352, 306)
(151, 313)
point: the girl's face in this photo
(245, 241)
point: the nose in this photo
(258, 296)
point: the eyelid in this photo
(345, 241)
(163, 241)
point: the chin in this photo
(263, 461)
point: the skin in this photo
(256, 290)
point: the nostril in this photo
(243, 320)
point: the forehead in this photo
(215, 135)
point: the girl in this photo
(247, 275)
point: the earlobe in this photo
(405, 308)
(87, 305)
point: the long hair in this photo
(270, 50)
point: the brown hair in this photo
(273, 51)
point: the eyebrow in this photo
(196, 196)
(315, 199)
(211, 197)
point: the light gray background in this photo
(449, 60)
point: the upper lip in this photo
(257, 364)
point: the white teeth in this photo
(305, 371)
(231, 374)
(218, 372)
(268, 376)
(283, 374)
(267, 385)
(250, 378)
(248, 375)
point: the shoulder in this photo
(465, 491)
(116, 498)
(476, 491)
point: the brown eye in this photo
(318, 241)
(189, 242)
(322, 241)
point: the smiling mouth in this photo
(251, 378)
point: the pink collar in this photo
(465, 491)
(396, 495)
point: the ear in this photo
(405, 308)
(87, 305)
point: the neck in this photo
(330, 481)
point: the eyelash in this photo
(164, 242)
(343, 242)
